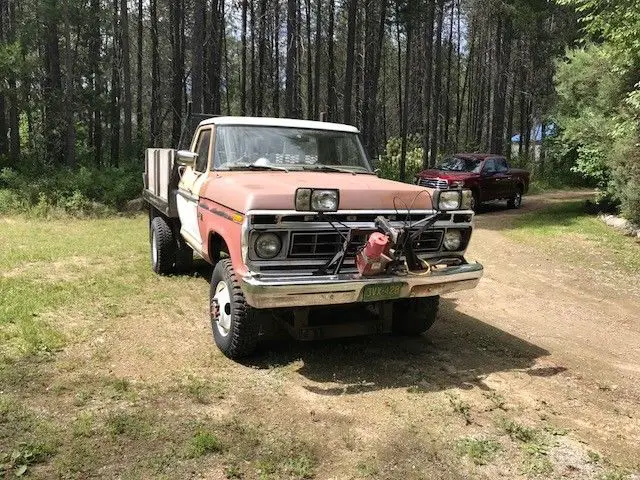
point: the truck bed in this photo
(161, 180)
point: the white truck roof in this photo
(280, 122)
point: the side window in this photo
(501, 165)
(489, 166)
(202, 149)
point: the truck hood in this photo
(446, 174)
(244, 191)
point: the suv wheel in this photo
(516, 200)
(415, 316)
(163, 246)
(233, 321)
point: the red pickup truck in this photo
(488, 176)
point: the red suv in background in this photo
(488, 176)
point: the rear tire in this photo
(516, 200)
(163, 246)
(234, 322)
(415, 316)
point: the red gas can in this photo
(372, 259)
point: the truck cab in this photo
(292, 217)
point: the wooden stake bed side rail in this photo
(161, 180)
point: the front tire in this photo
(234, 322)
(475, 201)
(163, 246)
(415, 316)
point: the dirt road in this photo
(534, 373)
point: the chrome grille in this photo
(326, 244)
(434, 183)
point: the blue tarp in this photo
(536, 133)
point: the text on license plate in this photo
(382, 291)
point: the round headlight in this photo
(452, 240)
(268, 245)
(449, 200)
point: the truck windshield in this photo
(457, 164)
(281, 148)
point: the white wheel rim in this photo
(222, 298)
(518, 199)
(154, 249)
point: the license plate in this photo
(382, 291)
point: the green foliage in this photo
(598, 107)
(81, 192)
(517, 431)
(203, 443)
(389, 162)
(479, 451)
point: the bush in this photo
(81, 192)
(389, 162)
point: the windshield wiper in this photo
(329, 168)
(251, 166)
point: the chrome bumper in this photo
(296, 291)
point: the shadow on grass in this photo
(459, 351)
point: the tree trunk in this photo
(243, 61)
(154, 113)
(252, 71)
(69, 109)
(332, 101)
(214, 47)
(262, 52)
(199, 15)
(126, 73)
(374, 36)
(114, 114)
(503, 54)
(399, 64)
(139, 93)
(276, 67)
(4, 131)
(405, 106)
(444, 146)
(52, 88)
(352, 9)
(510, 110)
(427, 83)
(318, 60)
(177, 69)
(437, 83)
(291, 70)
(309, 62)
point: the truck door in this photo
(504, 181)
(189, 188)
(489, 183)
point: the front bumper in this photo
(296, 291)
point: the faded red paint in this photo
(224, 196)
(214, 218)
(244, 191)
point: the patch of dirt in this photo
(67, 270)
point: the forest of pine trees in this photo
(93, 82)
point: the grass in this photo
(203, 443)
(480, 451)
(566, 230)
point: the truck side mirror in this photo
(186, 158)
